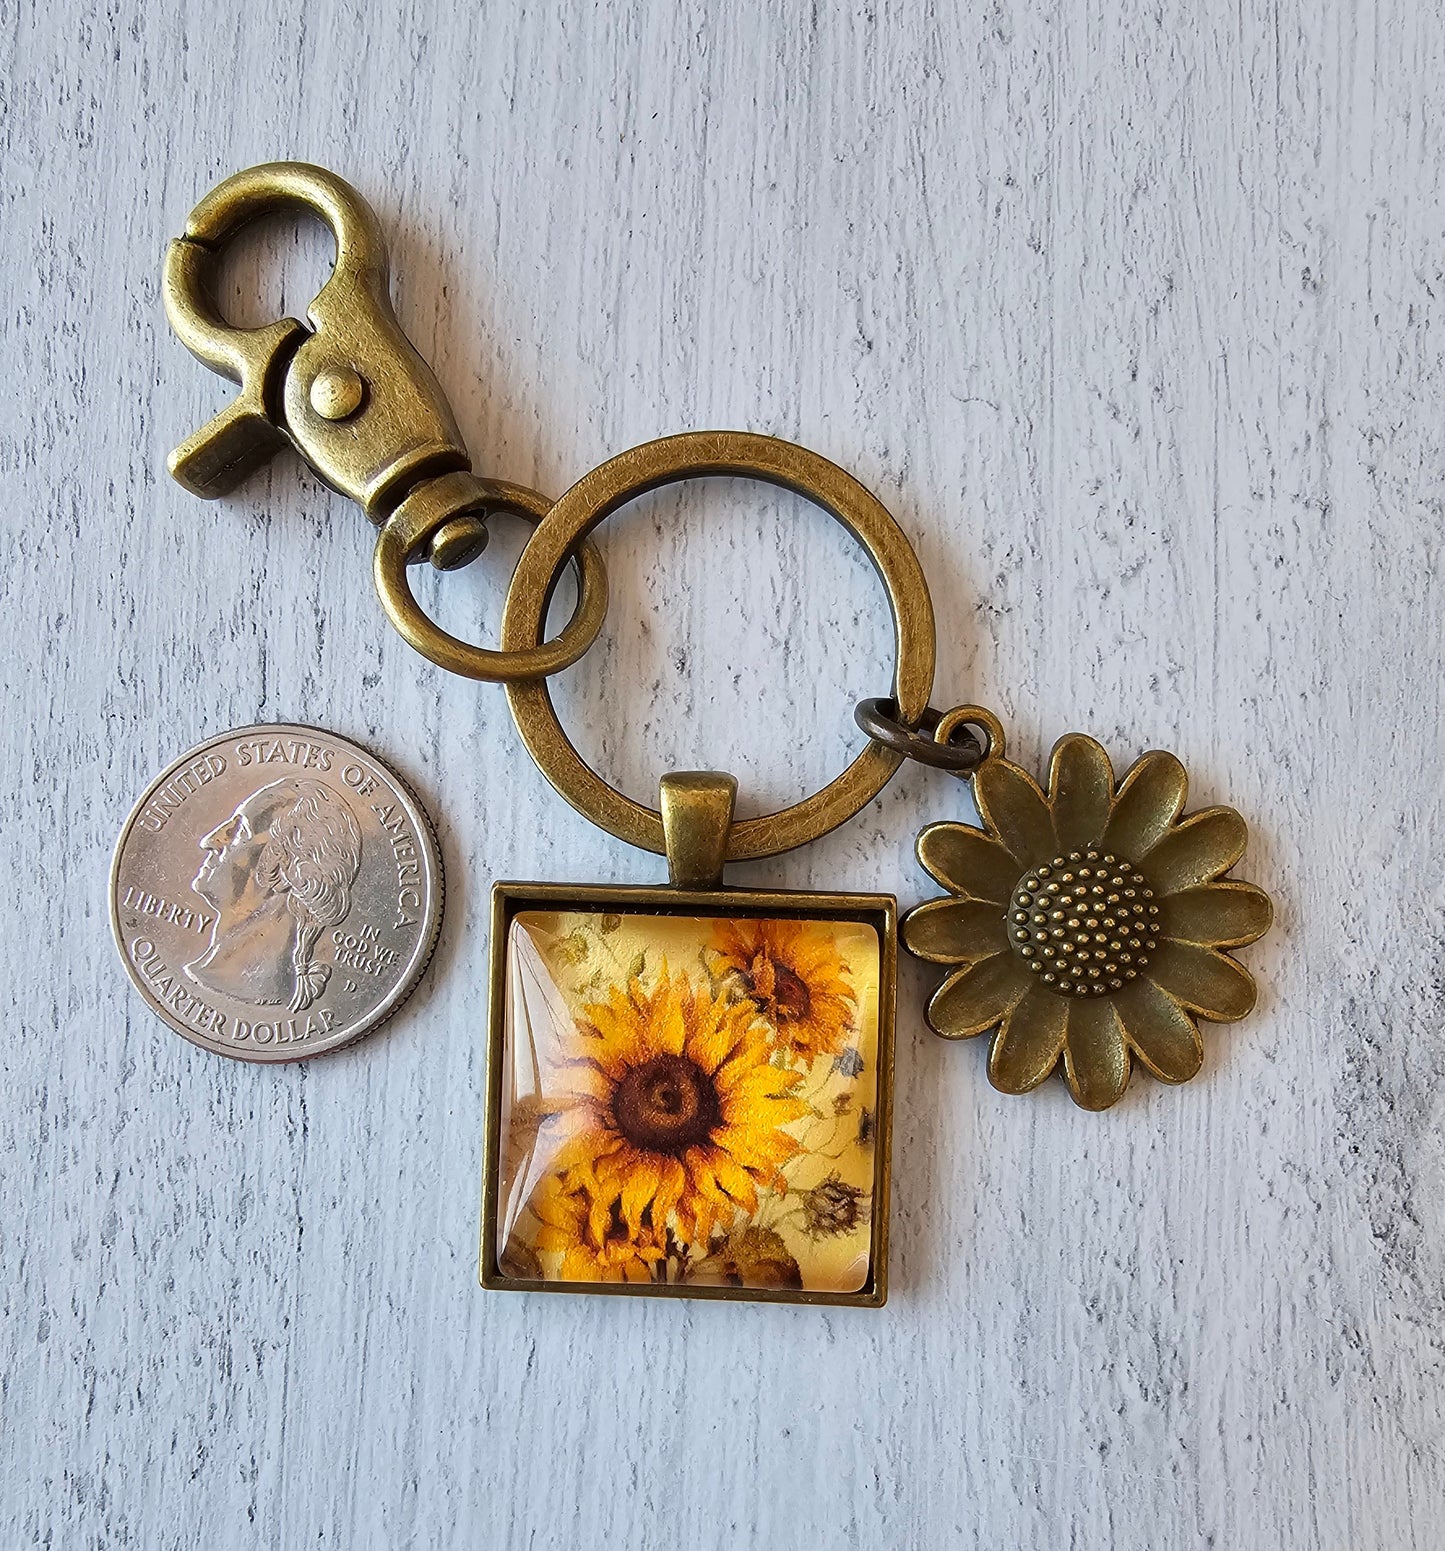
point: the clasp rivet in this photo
(337, 392)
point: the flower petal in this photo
(967, 862)
(1205, 845)
(977, 997)
(638, 1189)
(1081, 790)
(1028, 1044)
(1096, 1059)
(672, 1186)
(1159, 1031)
(1150, 798)
(711, 1042)
(736, 1181)
(1204, 981)
(955, 931)
(1012, 805)
(580, 1265)
(669, 1030)
(1220, 915)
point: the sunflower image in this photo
(1088, 924)
(591, 1237)
(795, 977)
(672, 1109)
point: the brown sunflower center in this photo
(667, 1104)
(791, 996)
(1086, 922)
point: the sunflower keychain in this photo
(689, 1085)
(681, 1145)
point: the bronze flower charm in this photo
(1088, 924)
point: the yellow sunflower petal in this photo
(1151, 796)
(756, 1130)
(748, 1072)
(1209, 983)
(735, 1181)
(1219, 915)
(760, 1152)
(976, 998)
(641, 1186)
(608, 1037)
(672, 1182)
(967, 862)
(599, 1217)
(580, 1265)
(733, 943)
(1205, 845)
(747, 1056)
(1081, 790)
(550, 1238)
(1029, 1042)
(702, 1177)
(1096, 1059)
(611, 1171)
(557, 1213)
(762, 1084)
(1159, 1031)
(712, 1042)
(670, 1029)
(815, 953)
(955, 931)
(1013, 807)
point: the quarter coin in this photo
(276, 893)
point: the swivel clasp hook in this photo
(349, 392)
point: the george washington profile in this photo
(278, 872)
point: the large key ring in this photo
(698, 455)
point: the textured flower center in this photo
(667, 1104)
(831, 1207)
(790, 994)
(1086, 922)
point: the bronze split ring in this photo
(406, 534)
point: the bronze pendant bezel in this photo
(880, 911)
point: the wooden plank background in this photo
(1132, 311)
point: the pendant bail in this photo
(697, 816)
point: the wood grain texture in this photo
(1132, 311)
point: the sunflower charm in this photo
(1087, 924)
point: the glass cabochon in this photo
(687, 1101)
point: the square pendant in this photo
(688, 1093)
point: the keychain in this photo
(689, 1085)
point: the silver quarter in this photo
(276, 893)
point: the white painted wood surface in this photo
(1133, 313)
